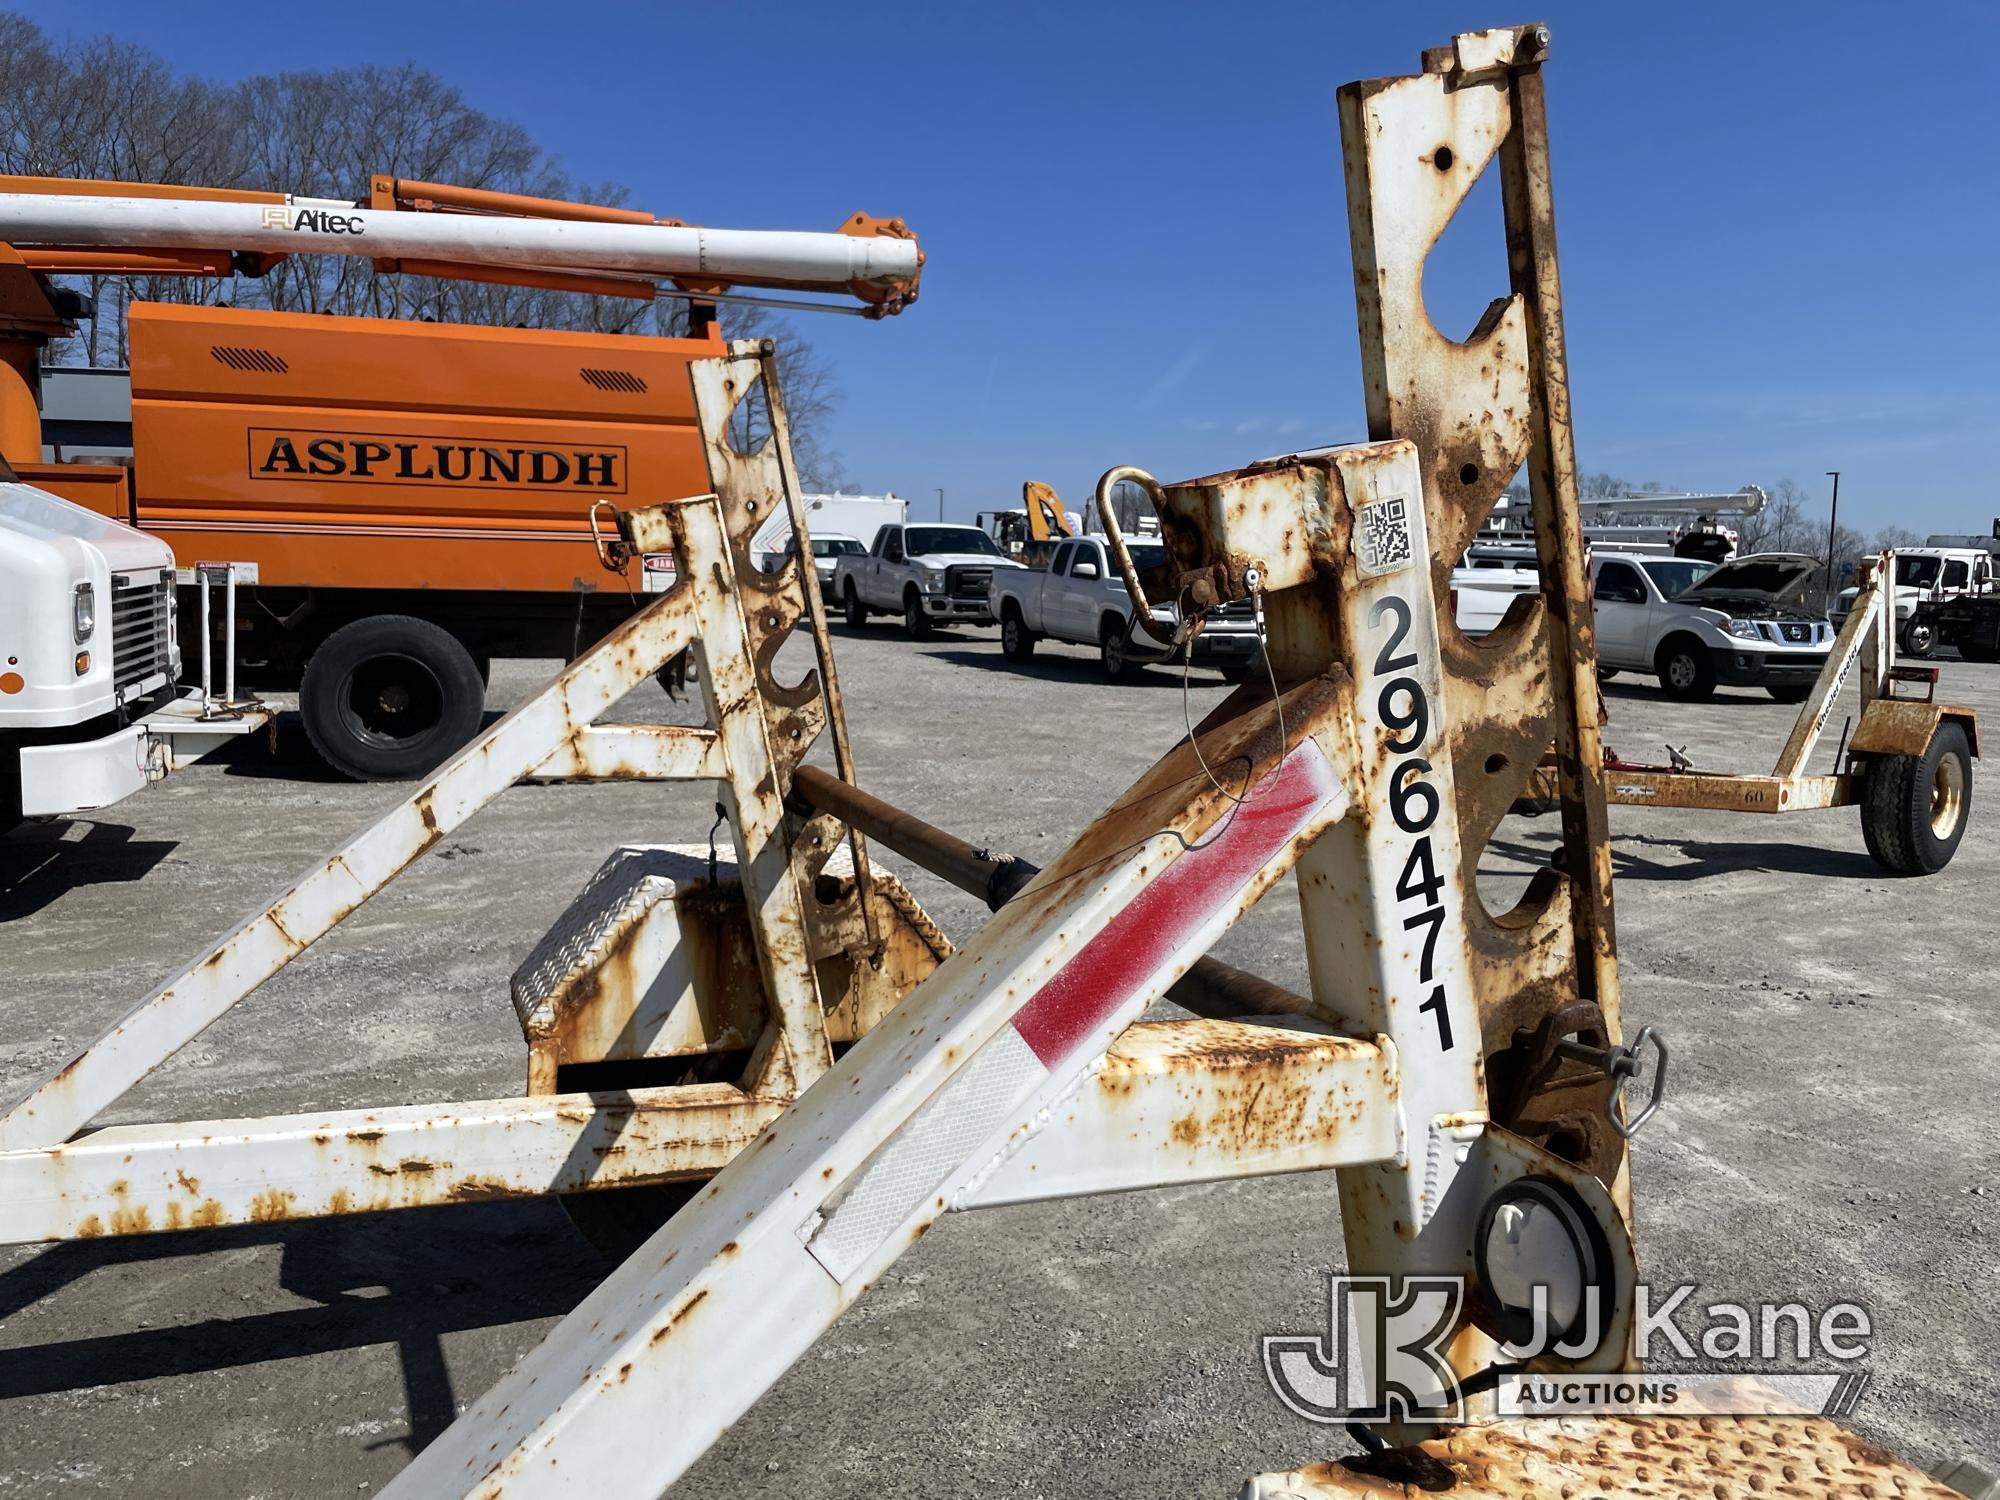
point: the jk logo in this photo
(1382, 1358)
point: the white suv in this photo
(1694, 625)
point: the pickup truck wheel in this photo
(1684, 668)
(853, 609)
(389, 698)
(1017, 642)
(1605, 674)
(1919, 638)
(1914, 808)
(916, 624)
(1111, 654)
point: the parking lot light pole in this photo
(1832, 531)
(940, 505)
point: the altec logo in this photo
(392, 458)
(312, 220)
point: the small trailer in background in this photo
(1907, 765)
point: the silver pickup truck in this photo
(928, 574)
(1081, 599)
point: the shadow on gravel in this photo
(1701, 859)
(1079, 669)
(295, 759)
(40, 863)
(383, 1279)
(1644, 689)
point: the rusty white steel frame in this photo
(222, 1172)
(981, 1085)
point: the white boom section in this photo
(334, 227)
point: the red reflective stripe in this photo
(1145, 935)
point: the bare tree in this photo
(110, 110)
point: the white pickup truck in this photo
(1081, 599)
(929, 574)
(90, 708)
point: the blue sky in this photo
(1778, 222)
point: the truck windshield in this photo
(1917, 572)
(1146, 555)
(1675, 575)
(924, 541)
(843, 546)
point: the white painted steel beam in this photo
(1175, 1102)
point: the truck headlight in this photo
(933, 578)
(1744, 630)
(86, 612)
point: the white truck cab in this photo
(1926, 578)
(90, 662)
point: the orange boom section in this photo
(381, 454)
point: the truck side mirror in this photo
(1084, 570)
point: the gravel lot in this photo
(1829, 1134)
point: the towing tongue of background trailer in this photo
(885, 265)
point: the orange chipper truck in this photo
(408, 500)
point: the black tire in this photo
(390, 698)
(1017, 642)
(916, 624)
(1684, 668)
(1919, 638)
(1605, 674)
(1111, 653)
(851, 606)
(1790, 692)
(1914, 808)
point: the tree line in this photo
(108, 109)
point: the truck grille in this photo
(140, 641)
(967, 583)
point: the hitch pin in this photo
(1619, 1064)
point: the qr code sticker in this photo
(1383, 543)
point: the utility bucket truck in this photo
(409, 500)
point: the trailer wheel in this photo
(1920, 638)
(1017, 642)
(916, 624)
(851, 606)
(389, 698)
(1914, 808)
(1684, 668)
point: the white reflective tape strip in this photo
(920, 1159)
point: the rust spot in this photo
(675, 1322)
(477, 1189)
(271, 1206)
(207, 1215)
(1186, 1130)
(173, 1213)
(731, 1248)
(90, 1228)
(339, 1203)
(365, 1137)
(133, 1220)
(192, 1184)
(415, 1164)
